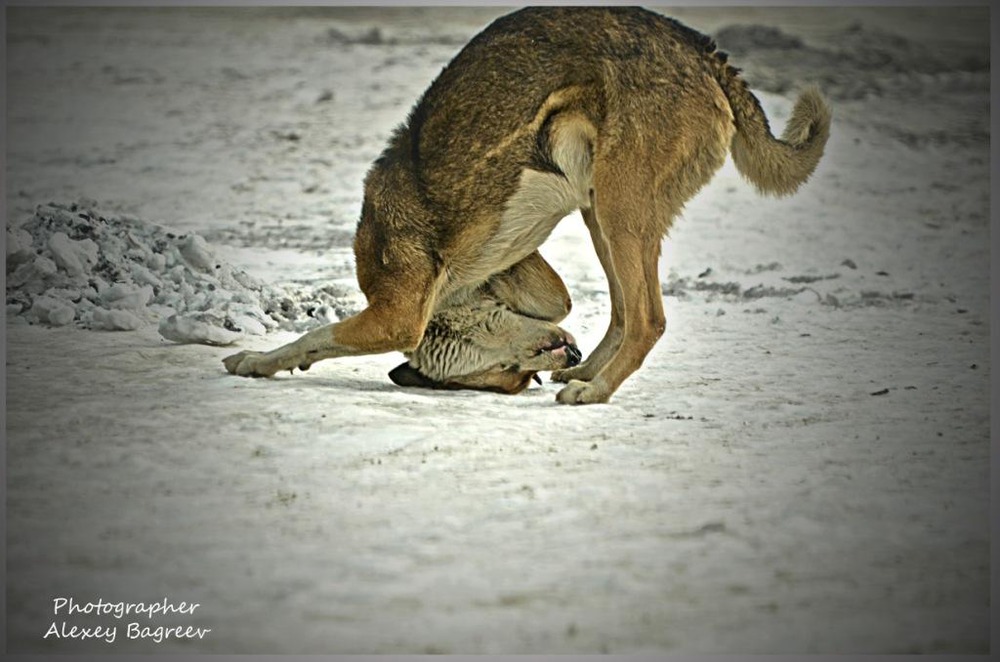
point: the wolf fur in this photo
(620, 113)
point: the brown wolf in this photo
(618, 112)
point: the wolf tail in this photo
(774, 166)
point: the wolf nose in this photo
(573, 355)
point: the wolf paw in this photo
(249, 364)
(577, 392)
(578, 373)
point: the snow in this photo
(158, 276)
(800, 465)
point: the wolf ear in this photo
(406, 375)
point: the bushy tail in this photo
(775, 166)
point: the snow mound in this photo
(69, 264)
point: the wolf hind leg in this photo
(627, 231)
(640, 309)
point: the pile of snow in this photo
(69, 264)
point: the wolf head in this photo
(485, 346)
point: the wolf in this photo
(620, 113)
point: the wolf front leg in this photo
(375, 330)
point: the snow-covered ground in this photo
(802, 464)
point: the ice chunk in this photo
(143, 276)
(65, 254)
(44, 266)
(115, 320)
(53, 311)
(197, 253)
(32, 275)
(249, 325)
(198, 328)
(127, 297)
(156, 261)
(18, 241)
